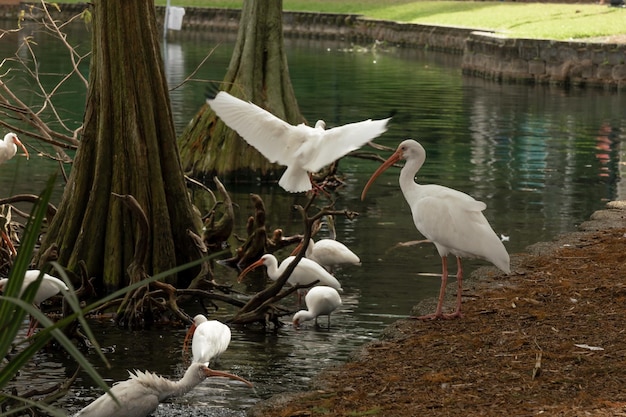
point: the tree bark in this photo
(258, 72)
(128, 147)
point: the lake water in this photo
(541, 158)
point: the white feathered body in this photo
(303, 149)
(210, 339)
(48, 287)
(306, 272)
(451, 219)
(330, 253)
(141, 394)
(320, 301)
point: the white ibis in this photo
(210, 339)
(306, 272)
(48, 287)
(141, 394)
(8, 147)
(330, 253)
(303, 149)
(319, 301)
(452, 220)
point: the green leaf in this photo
(11, 316)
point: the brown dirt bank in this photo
(547, 339)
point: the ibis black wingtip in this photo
(211, 91)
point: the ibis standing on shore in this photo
(452, 220)
(303, 149)
(8, 147)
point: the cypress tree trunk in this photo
(257, 72)
(128, 147)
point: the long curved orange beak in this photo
(21, 145)
(7, 240)
(395, 157)
(188, 336)
(297, 249)
(248, 269)
(211, 373)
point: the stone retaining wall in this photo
(349, 27)
(485, 54)
(543, 61)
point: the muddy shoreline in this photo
(418, 380)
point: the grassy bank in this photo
(519, 20)
(529, 20)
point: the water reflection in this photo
(543, 159)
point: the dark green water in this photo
(542, 159)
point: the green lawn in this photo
(530, 20)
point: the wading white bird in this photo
(210, 339)
(329, 253)
(320, 301)
(141, 394)
(452, 220)
(8, 147)
(306, 272)
(303, 149)
(48, 287)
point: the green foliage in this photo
(13, 308)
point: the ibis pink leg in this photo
(32, 326)
(459, 291)
(438, 314)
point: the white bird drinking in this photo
(451, 219)
(303, 149)
(320, 301)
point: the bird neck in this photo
(407, 175)
(303, 315)
(165, 387)
(309, 251)
(180, 387)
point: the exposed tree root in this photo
(258, 242)
(42, 396)
(262, 307)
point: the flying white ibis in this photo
(306, 272)
(303, 149)
(320, 301)
(8, 147)
(141, 394)
(210, 339)
(452, 220)
(329, 253)
(48, 287)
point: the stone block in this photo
(537, 67)
(619, 72)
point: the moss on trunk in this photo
(258, 72)
(128, 147)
